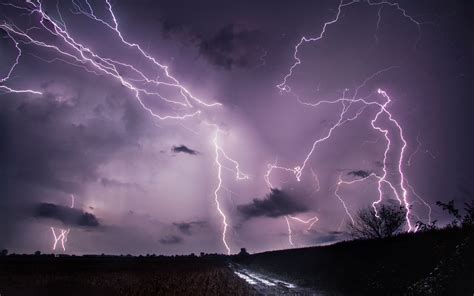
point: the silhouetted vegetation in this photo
(458, 219)
(432, 261)
(383, 261)
(386, 222)
(387, 266)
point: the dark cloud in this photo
(184, 149)
(276, 204)
(170, 28)
(186, 227)
(171, 240)
(68, 216)
(232, 46)
(83, 146)
(359, 173)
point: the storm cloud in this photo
(171, 240)
(186, 227)
(275, 204)
(184, 149)
(231, 46)
(68, 216)
(359, 173)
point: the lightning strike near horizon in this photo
(80, 55)
(399, 190)
(239, 175)
(61, 237)
(52, 34)
(63, 233)
(290, 240)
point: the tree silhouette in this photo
(388, 221)
(459, 220)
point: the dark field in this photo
(45, 275)
(439, 262)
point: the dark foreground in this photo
(432, 263)
(438, 262)
(44, 275)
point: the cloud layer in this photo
(68, 216)
(275, 204)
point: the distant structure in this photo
(243, 253)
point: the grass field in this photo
(45, 275)
(438, 262)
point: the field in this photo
(46, 275)
(438, 262)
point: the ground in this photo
(432, 263)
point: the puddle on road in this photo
(253, 278)
(265, 285)
(246, 278)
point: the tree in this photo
(452, 210)
(388, 222)
(459, 220)
(4, 252)
(468, 219)
(421, 226)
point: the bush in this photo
(386, 222)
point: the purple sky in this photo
(143, 185)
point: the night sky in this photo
(145, 185)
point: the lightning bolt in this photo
(75, 53)
(290, 239)
(80, 54)
(418, 148)
(60, 237)
(316, 181)
(62, 233)
(12, 68)
(284, 87)
(239, 175)
(185, 105)
(400, 189)
(310, 222)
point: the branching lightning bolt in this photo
(77, 54)
(62, 234)
(400, 189)
(239, 175)
(82, 55)
(186, 105)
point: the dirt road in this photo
(266, 285)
